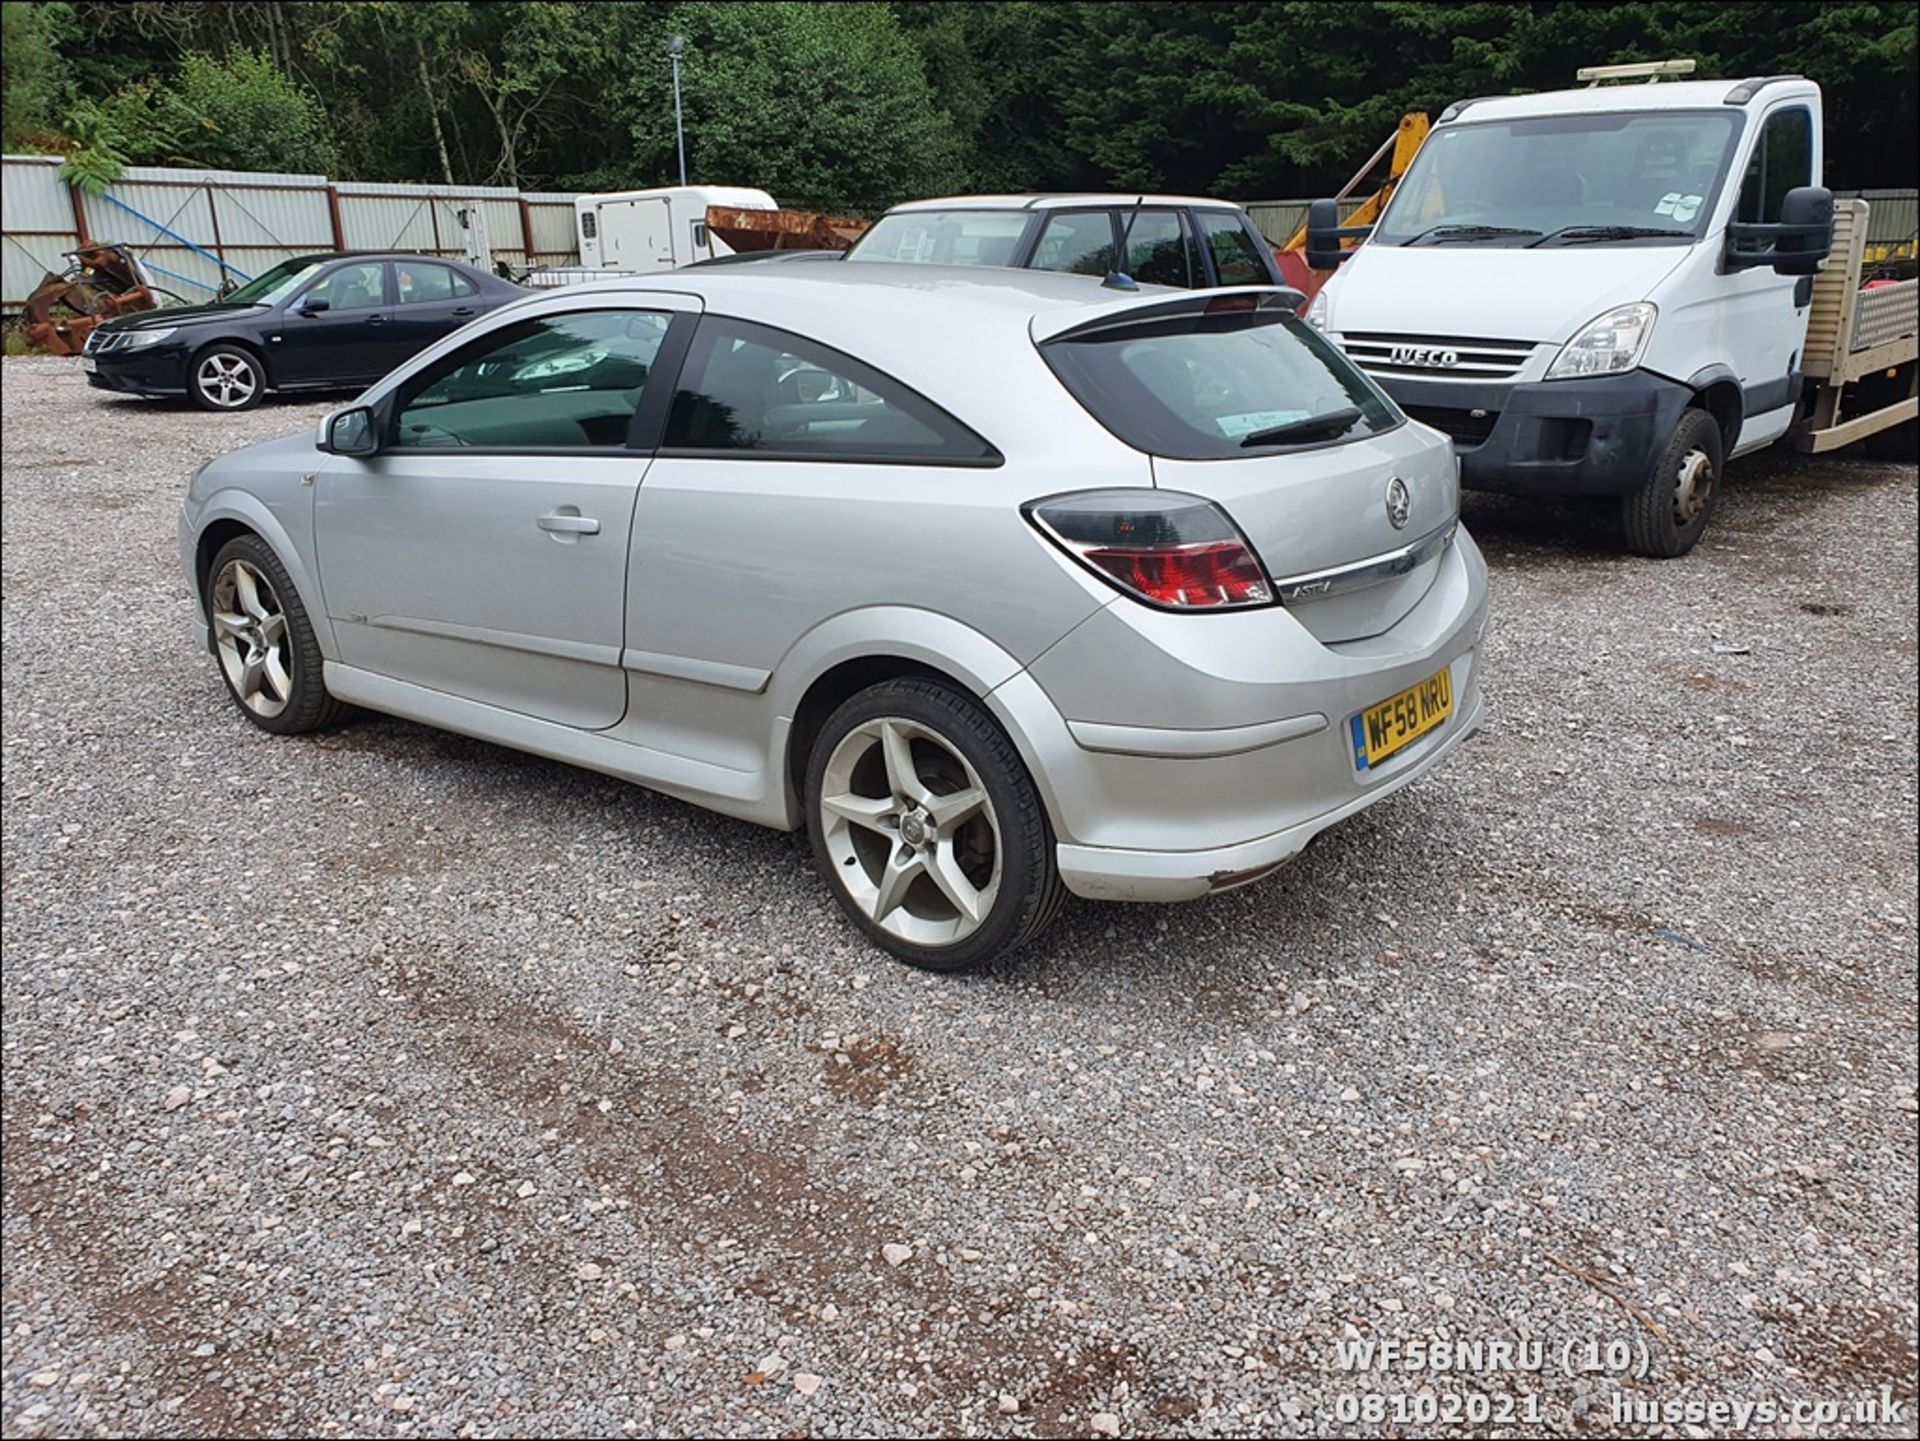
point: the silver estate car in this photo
(1004, 585)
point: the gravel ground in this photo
(392, 1083)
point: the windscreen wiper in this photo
(1586, 234)
(1440, 234)
(1332, 423)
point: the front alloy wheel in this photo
(268, 653)
(250, 633)
(227, 378)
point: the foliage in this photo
(825, 106)
(253, 116)
(36, 74)
(854, 105)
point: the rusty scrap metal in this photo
(101, 282)
(782, 229)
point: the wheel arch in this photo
(856, 649)
(233, 513)
(1717, 391)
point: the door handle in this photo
(376, 320)
(569, 524)
(463, 310)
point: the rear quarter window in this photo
(1210, 387)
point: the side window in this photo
(420, 283)
(1234, 256)
(556, 382)
(1782, 158)
(351, 287)
(1160, 250)
(1077, 241)
(748, 387)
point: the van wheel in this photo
(226, 377)
(927, 827)
(1669, 512)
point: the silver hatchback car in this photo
(1004, 585)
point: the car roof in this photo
(1665, 95)
(964, 336)
(321, 257)
(1067, 200)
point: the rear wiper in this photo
(1582, 234)
(1439, 234)
(1332, 423)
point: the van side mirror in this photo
(1324, 234)
(1796, 244)
(349, 432)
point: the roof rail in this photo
(1651, 71)
(1747, 89)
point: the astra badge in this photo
(1399, 503)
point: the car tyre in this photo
(927, 828)
(1668, 514)
(226, 378)
(268, 654)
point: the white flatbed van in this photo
(1614, 290)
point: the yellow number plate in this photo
(1380, 730)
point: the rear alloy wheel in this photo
(1668, 514)
(226, 378)
(928, 828)
(268, 654)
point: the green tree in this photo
(252, 116)
(36, 78)
(825, 106)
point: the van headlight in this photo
(1316, 315)
(1608, 344)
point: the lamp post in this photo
(675, 45)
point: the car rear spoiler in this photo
(1073, 324)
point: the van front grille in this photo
(1437, 357)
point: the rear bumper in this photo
(1234, 751)
(1105, 873)
(1561, 437)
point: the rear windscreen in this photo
(943, 237)
(1206, 387)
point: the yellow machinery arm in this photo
(1403, 144)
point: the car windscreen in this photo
(1219, 385)
(1563, 179)
(276, 284)
(943, 237)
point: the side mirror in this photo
(1324, 234)
(313, 305)
(348, 432)
(1796, 244)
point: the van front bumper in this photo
(1554, 438)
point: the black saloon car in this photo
(315, 322)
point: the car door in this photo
(483, 552)
(430, 300)
(1765, 316)
(338, 330)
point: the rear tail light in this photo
(1178, 552)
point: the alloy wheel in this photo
(228, 380)
(250, 633)
(911, 831)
